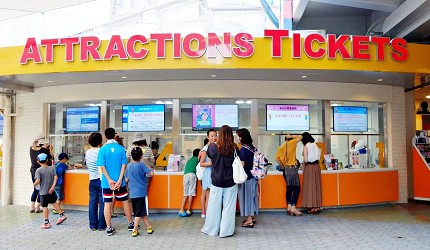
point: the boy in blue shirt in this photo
(112, 162)
(60, 169)
(135, 175)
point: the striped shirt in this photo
(91, 160)
(147, 153)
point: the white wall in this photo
(29, 121)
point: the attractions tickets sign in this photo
(212, 45)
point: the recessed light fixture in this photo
(380, 80)
(248, 102)
(123, 77)
(213, 76)
(304, 76)
(168, 102)
(428, 96)
(50, 81)
(239, 102)
(159, 102)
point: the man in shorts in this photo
(112, 162)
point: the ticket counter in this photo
(339, 188)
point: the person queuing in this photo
(248, 191)
(206, 163)
(112, 162)
(46, 179)
(311, 175)
(286, 158)
(96, 204)
(136, 177)
(189, 181)
(220, 214)
(40, 145)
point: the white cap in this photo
(138, 137)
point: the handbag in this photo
(239, 175)
(199, 171)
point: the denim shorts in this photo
(60, 192)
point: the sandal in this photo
(253, 221)
(248, 225)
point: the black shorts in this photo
(139, 206)
(48, 199)
(121, 194)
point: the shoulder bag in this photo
(239, 175)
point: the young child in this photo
(206, 163)
(47, 178)
(135, 175)
(189, 183)
(60, 168)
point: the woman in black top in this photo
(248, 191)
(40, 145)
(220, 214)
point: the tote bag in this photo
(199, 171)
(239, 175)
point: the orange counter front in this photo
(339, 188)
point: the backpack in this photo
(260, 166)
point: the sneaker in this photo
(135, 233)
(131, 226)
(188, 212)
(203, 215)
(61, 219)
(38, 210)
(32, 210)
(54, 211)
(93, 229)
(149, 230)
(110, 231)
(46, 226)
(183, 214)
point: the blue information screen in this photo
(143, 118)
(85, 119)
(349, 119)
(1, 125)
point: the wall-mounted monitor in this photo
(215, 116)
(83, 119)
(1, 125)
(349, 119)
(143, 118)
(287, 117)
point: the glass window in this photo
(359, 149)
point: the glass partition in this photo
(342, 144)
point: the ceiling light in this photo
(50, 81)
(168, 102)
(248, 102)
(213, 76)
(428, 96)
(334, 104)
(239, 102)
(159, 102)
(123, 77)
(304, 76)
(380, 80)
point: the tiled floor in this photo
(376, 227)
